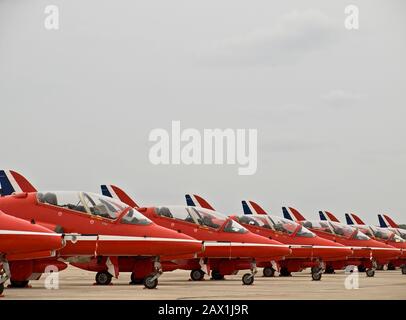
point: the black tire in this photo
(103, 278)
(268, 272)
(391, 266)
(403, 270)
(215, 275)
(18, 284)
(362, 268)
(196, 275)
(135, 280)
(370, 273)
(329, 270)
(247, 279)
(1, 288)
(316, 276)
(284, 272)
(150, 282)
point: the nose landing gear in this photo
(248, 278)
(317, 271)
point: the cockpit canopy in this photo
(336, 228)
(401, 233)
(93, 204)
(277, 224)
(385, 234)
(201, 216)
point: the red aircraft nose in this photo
(382, 251)
(20, 236)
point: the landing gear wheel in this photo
(18, 284)
(248, 279)
(361, 268)
(284, 272)
(404, 270)
(215, 275)
(135, 280)
(1, 288)
(103, 278)
(391, 266)
(370, 272)
(329, 270)
(316, 276)
(197, 275)
(151, 282)
(268, 272)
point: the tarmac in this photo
(78, 284)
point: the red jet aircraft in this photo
(229, 247)
(366, 251)
(384, 235)
(308, 250)
(21, 240)
(104, 234)
(387, 222)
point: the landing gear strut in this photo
(404, 269)
(318, 271)
(151, 281)
(196, 275)
(103, 278)
(371, 271)
(248, 278)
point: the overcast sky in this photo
(77, 104)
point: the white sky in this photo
(77, 105)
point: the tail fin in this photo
(11, 181)
(292, 214)
(385, 221)
(325, 215)
(116, 193)
(197, 201)
(252, 207)
(353, 219)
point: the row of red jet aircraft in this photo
(109, 233)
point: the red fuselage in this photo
(21, 240)
(88, 234)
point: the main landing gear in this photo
(197, 275)
(216, 275)
(103, 278)
(268, 272)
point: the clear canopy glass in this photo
(93, 204)
(201, 216)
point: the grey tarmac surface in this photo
(78, 284)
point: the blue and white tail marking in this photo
(246, 208)
(108, 191)
(322, 216)
(8, 185)
(287, 214)
(349, 219)
(382, 221)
